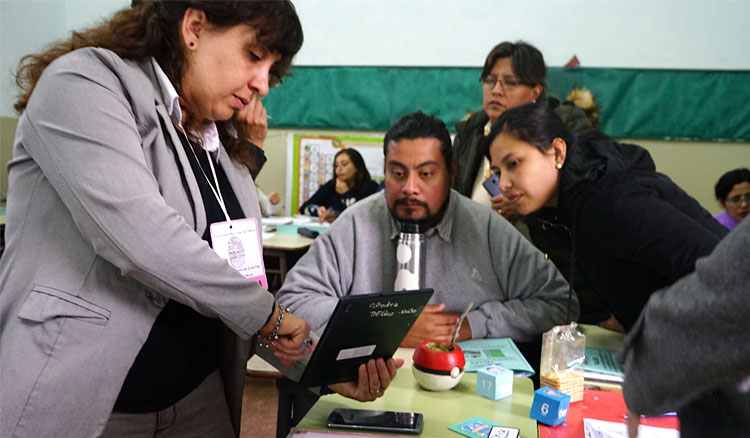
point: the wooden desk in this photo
(280, 252)
(441, 409)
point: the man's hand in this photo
(252, 122)
(508, 209)
(274, 198)
(374, 378)
(435, 325)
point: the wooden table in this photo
(280, 252)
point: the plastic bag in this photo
(563, 354)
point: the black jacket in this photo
(553, 241)
(327, 196)
(635, 231)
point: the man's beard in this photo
(428, 221)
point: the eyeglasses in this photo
(739, 199)
(507, 83)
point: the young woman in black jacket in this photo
(350, 183)
(633, 230)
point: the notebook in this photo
(361, 327)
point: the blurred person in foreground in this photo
(689, 350)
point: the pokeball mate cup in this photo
(494, 382)
(438, 366)
(550, 406)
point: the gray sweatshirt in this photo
(689, 350)
(473, 255)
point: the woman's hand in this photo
(252, 122)
(508, 209)
(341, 186)
(374, 378)
(274, 198)
(290, 346)
(633, 421)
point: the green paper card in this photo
(474, 427)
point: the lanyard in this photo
(217, 190)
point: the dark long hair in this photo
(533, 123)
(362, 175)
(151, 28)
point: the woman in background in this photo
(733, 192)
(351, 182)
(633, 230)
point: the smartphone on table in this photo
(366, 419)
(491, 184)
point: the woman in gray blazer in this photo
(131, 158)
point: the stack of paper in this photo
(601, 366)
(501, 351)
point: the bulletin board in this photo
(312, 162)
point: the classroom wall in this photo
(651, 34)
(694, 166)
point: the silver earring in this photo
(559, 166)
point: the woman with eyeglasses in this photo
(633, 229)
(733, 192)
(130, 293)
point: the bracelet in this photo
(265, 341)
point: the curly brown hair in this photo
(151, 28)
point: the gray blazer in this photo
(104, 220)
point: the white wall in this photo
(27, 26)
(682, 34)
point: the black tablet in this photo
(362, 327)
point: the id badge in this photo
(238, 242)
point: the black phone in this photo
(491, 184)
(389, 421)
(307, 232)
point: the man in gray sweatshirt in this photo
(472, 254)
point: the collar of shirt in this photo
(487, 128)
(209, 133)
(443, 228)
